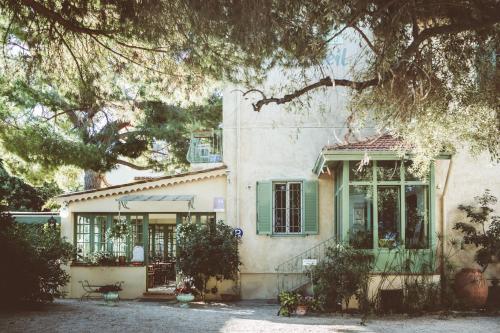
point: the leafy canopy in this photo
(428, 69)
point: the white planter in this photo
(184, 299)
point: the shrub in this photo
(206, 251)
(32, 256)
(344, 273)
(486, 240)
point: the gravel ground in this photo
(132, 316)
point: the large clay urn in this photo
(471, 287)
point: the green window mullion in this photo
(345, 202)
(432, 208)
(165, 241)
(109, 222)
(375, 207)
(128, 240)
(145, 237)
(402, 207)
(91, 233)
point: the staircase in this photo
(292, 275)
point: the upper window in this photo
(287, 207)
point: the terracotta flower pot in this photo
(301, 310)
(471, 287)
(121, 260)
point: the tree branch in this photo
(324, 82)
(132, 165)
(58, 18)
(398, 67)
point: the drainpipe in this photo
(236, 172)
(442, 227)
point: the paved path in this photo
(129, 316)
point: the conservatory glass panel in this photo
(417, 217)
(360, 216)
(388, 216)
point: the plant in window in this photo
(361, 239)
(102, 258)
(477, 232)
(119, 230)
(389, 240)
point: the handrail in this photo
(291, 274)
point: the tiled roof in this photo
(384, 142)
(154, 182)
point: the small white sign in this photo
(309, 262)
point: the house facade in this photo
(286, 180)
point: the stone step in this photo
(148, 296)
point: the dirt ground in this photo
(133, 316)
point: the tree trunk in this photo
(92, 180)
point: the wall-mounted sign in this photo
(219, 204)
(238, 232)
(309, 262)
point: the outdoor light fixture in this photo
(64, 211)
(218, 204)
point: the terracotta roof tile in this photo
(384, 142)
(143, 181)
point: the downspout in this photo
(236, 172)
(236, 175)
(442, 227)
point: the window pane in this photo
(83, 237)
(136, 222)
(279, 207)
(360, 216)
(119, 245)
(100, 233)
(389, 170)
(357, 172)
(388, 216)
(417, 217)
(295, 204)
(171, 241)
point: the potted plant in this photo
(185, 292)
(470, 283)
(119, 230)
(110, 293)
(303, 304)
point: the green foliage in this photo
(482, 230)
(206, 251)
(102, 258)
(33, 255)
(430, 71)
(288, 303)
(17, 195)
(344, 273)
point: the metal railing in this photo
(205, 147)
(292, 274)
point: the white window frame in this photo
(288, 208)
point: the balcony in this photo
(205, 147)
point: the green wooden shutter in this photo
(264, 208)
(310, 207)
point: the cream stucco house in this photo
(290, 186)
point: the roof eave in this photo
(327, 156)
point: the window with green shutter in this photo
(287, 207)
(264, 197)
